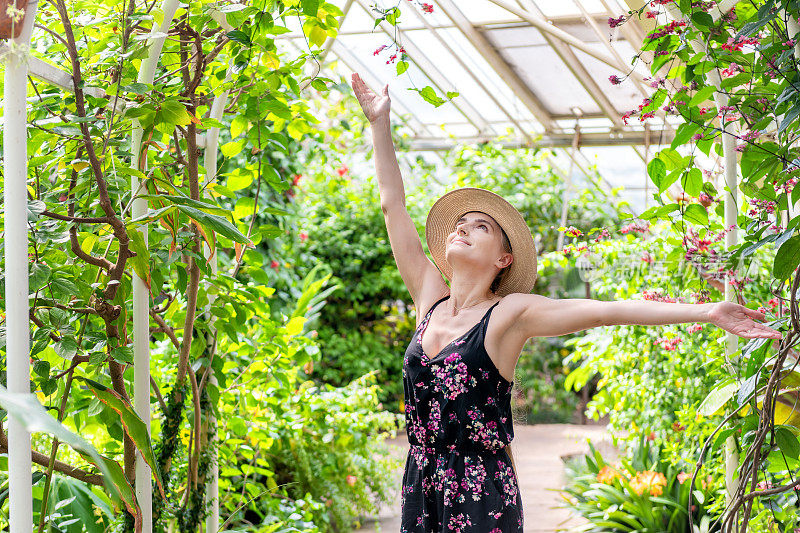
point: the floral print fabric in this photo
(458, 477)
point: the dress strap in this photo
(485, 319)
(434, 305)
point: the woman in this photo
(458, 368)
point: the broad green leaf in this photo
(133, 425)
(28, 412)
(696, 214)
(787, 258)
(317, 36)
(39, 275)
(692, 182)
(657, 171)
(215, 223)
(717, 398)
(787, 442)
(295, 326)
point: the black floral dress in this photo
(458, 477)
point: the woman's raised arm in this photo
(419, 274)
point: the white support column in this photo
(15, 219)
(141, 296)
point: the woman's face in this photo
(477, 232)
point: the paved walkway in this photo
(537, 454)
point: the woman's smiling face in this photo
(476, 230)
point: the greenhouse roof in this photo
(528, 73)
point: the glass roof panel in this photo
(481, 68)
(557, 8)
(549, 79)
(357, 19)
(451, 68)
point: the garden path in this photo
(537, 453)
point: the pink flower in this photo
(303, 235)
(379, 49)
(274, 264)
(615, 80)
(694, 328)
(427, 8)
(652, 14)
(342, 170)
(697, 136)
(614, 22)
(296, 178)
(351, 480)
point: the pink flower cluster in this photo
(614, 22)
(657, 296)
(669, 345)
(603, 234)
(761, 207)
(694, 328)
(637, 226)
(572, 231)
(734, 45)
(672, 27)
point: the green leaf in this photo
(702, 20)
(134, 427)
(451, 94)
(717, 398)
(429, 95)
(141, 261)
(696, 214)
(317, 36)
(40, 273)
(692, 182)
(310, 7)
(67, 347)
(240, 37)
(215, 223)
(787, 442)
(657, 171)
(392, 17)
(787, 258)
(702, 95)
(137, 88)
(402, 66)
(28, 412)
(174, 112)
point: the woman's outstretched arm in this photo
(419, 274)
(540, 316)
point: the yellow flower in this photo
(608, 474)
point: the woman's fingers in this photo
(752, 313)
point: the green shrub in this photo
(643, 493)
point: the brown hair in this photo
(506, 247)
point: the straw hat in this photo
(442, 218)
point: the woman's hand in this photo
(376, 107)
(740, 320)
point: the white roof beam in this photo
(545, 27)
(500, 66)
(553, 140)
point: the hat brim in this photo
(445, 212)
